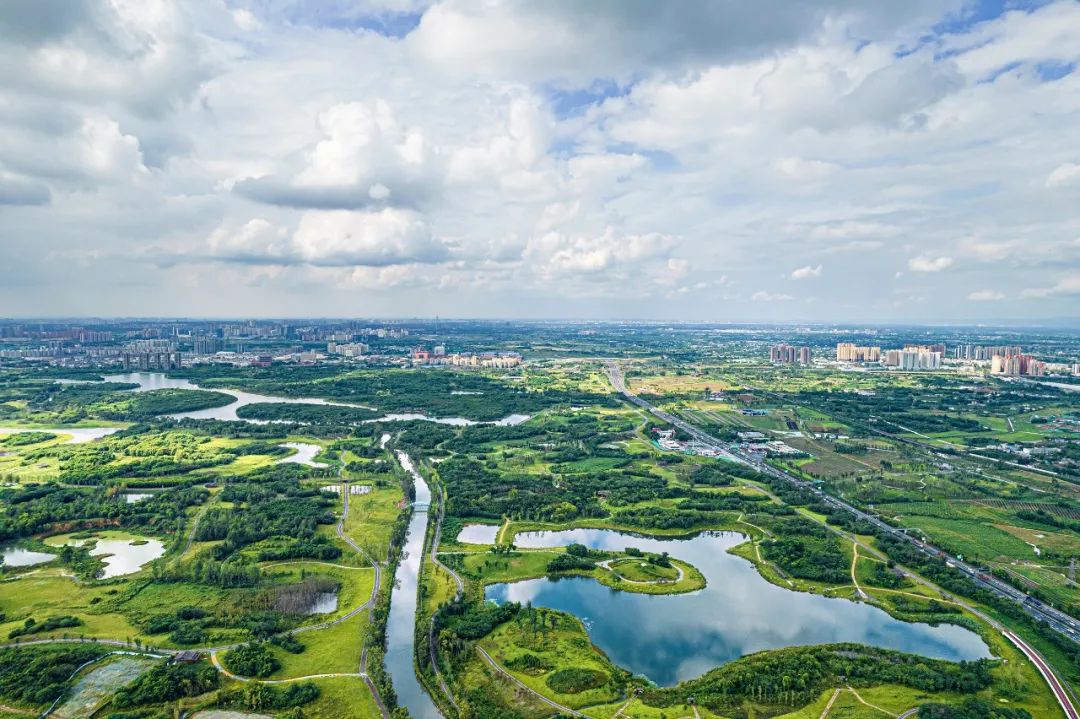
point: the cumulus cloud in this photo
(928, 263)
(555, 253)
(330, 238)
(986, 296)
(806, 272)
(365, 157)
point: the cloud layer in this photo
(828, 160)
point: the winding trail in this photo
(551, 703)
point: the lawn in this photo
(542, 644)
(371, 519)
(332, 650)
(342, 698)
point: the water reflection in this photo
(401, 623)
(305, 454)
(677, 637)
(18, 557)
(478, 534)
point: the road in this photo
(1047, 674)
(1059, 621)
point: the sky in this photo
(826, 160)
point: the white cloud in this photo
(364, 157)
(806, 272)
(1063, 175)
(1068, 286)
(926, 263)
(986, 296)
(763, 296)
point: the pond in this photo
(19, 557)
(121, 555)
(325, 603)
(305, 454)
(478, 534)
(672, 638)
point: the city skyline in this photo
(837, 162)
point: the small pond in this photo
(19, 557)
(121, 555)
(325, 603)
(305, 454)
(478, 534)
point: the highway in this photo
(1059, 621)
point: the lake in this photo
(672, 638)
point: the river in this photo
(401, 624)
(672, 638)
(149, 381)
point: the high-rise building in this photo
(787, 354)
(207, 345)
(850, 352)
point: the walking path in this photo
(551, 703)
(828, 707)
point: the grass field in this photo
(371, 519)
(560, 645)
(332, 650)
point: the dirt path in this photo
(828, 707)
(854, 563)
(872, 706)
(551, 703)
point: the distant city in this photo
(1010, 361)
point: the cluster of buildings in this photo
(351, 350)
(145, 361)
(915, 357)
(1017, 365)
(850, 352)
(437, 356)
(984, 352)
(788, 354)
(1004, 359)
